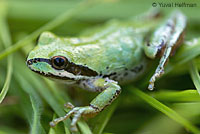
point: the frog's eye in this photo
(59, 62)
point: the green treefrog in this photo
(102, 60)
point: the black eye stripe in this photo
(80, 70)
(69, 67)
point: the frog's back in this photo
(114, 53)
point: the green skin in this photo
(99, 60)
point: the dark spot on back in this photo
(137, 69)
(109, 75)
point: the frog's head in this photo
(52, 57)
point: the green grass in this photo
(28, 102)
(195, 75)
(165, 109)
(6, 41)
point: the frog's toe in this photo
(77, 115)
(77, 112)
(69, 105)
(158, 73)
(57, 120)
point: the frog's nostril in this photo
(29, 62)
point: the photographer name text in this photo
(174, 4)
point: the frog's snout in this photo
(31, 61)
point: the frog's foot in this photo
(157, 74)
(164, 41)
(76, 112)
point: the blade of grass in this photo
(194, 75)
(6, 39)
(83, 127)
(60, 96)
(186, 96)
(103, 118)
(165, 109)
(52, 24)
(177, 96)
(161, 122)
(36, 104)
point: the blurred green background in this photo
(33, 101)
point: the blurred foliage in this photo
(33, 101)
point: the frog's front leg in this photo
(109, 91)
(164, 42)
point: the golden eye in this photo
(59, 62)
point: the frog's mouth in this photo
(50, 75)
